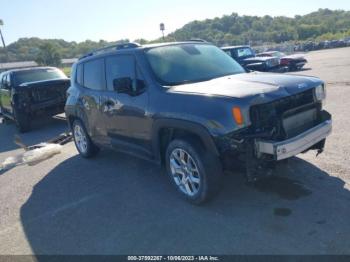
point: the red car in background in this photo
(292, 62)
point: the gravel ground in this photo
(116, 204)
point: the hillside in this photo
(26, 49)
(227, 30)
(234, 29)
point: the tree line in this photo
(233, 29)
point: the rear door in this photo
(90, 78)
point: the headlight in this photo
(320, 92)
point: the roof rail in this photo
(111, 48)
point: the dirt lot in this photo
(115, 204)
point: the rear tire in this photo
(82, 140)
(195, 172)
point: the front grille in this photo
(48, 92)
(44, 95)
(274, 62)
(269, 116)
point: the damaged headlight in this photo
(320, 92)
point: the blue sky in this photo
(78, 20)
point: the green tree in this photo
(233, 29)
(48, 55)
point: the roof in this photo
(69, 60)
(11, 65)
(26, 64)
(29, 68)
(133, 46)
(234, 47)
(174, 43)
(269, 52)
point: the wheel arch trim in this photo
(187, 126)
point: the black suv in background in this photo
(25, 93)
(247, 58)
(193, 108)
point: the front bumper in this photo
(277, 69)
(284, 149)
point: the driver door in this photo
(124, 110)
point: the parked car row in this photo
(313, 45)
(272, 61)
(185, 105)
(292, 62)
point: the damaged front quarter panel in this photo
(286, 122)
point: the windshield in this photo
(279, 54)
(35, 75)
(188, 63)
(245, 51)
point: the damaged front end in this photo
(279, 130)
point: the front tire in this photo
(196, 173)
(82, 140)
(22, 120)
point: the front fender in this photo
(194, 128)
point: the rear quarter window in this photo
(80, 74)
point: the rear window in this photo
(42, 74)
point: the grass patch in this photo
(66, 70)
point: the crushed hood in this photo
(249, 84)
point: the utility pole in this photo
(2, 37)
(162, 28)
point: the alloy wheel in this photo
(184, 171)
(80, 139)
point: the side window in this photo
(94, 77)
(119, 68)
(228, 52)
(79, 76)
(8, 80)
(5, 81)
(1, 81)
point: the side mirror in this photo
(128, 86)
(123, 85)
(140, 87)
